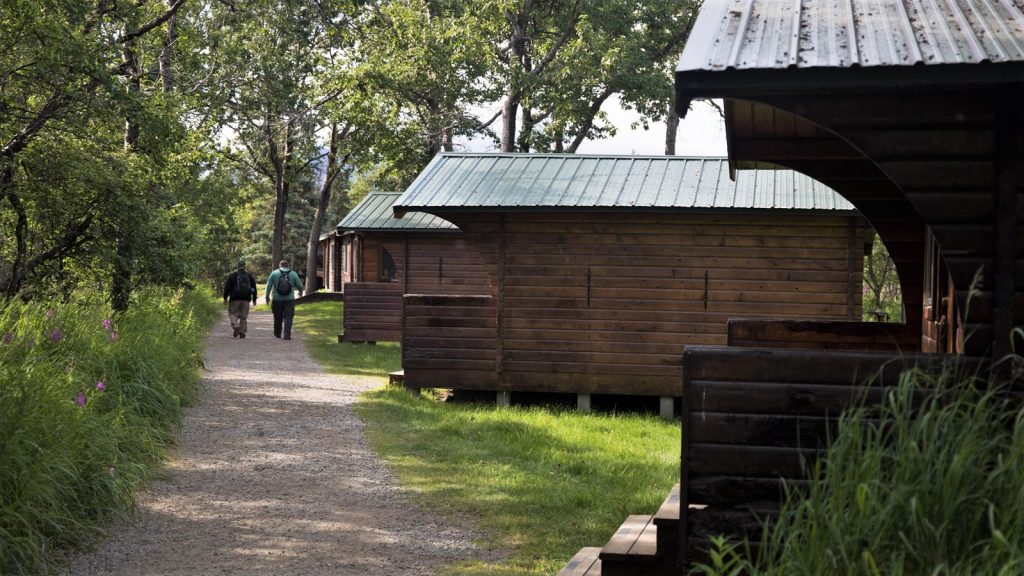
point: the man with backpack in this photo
(239, 290)
(284, 284)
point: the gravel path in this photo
(273, 476)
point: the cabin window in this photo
(388, 270)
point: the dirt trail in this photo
(273, 476)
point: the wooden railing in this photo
(373, 312)
(823, 335)
(449, 342)
(755, 417)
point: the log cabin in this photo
(602, 268)
(914, 112)
(384, 257)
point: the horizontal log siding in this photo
(749, 417)
(449, 342)
(605, 303)
(373, 312)
(445, 264)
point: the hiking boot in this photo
(241, 334)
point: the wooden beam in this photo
(499, 344)
(1008, 168)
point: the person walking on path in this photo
(284, 284)
(239, 291)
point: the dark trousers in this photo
(284, 312)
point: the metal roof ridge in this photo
(582, 156)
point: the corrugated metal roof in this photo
(572, 181)
(375, 213)
(767, 34)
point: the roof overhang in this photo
(751, 83)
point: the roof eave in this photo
(436, 210)
(751, 83)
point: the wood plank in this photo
(753, 396)
(462, 354)
(757, 461)
(668, 512)
(761, 429)
(583, 563)
(727, 490)
(372, 336)
(455, 376)
(798, 366)
(635, 538)
(410, 364)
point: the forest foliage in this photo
(154, 142)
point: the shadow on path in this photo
(273, 476)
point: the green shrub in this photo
(88, 402)
(932, 489)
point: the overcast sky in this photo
(701, 133)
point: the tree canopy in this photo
(156, 141)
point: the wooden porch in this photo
(752, 419)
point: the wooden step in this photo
(584, 563)
(396, 378)
(667, 521)
(633, 549)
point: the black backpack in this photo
(243, 288)
(284, 284)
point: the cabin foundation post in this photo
(413, 391)
(504, 398)
(583, 403)
(668, 407)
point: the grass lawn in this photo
(321, 322)
(539, 483)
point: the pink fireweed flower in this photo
(113, 336)
(56, 335)
(100, 385)
(80, 399)
(8, 337)
(107, 324)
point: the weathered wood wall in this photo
(444, 265)
(753, 417)
(425, 263)
(604, 303)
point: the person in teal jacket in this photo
(285, 285)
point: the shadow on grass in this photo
(321, 322)
(541, 484)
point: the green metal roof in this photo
(375, 213)
(478, 182)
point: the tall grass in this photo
(88, 403)
(932, 489)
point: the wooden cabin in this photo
(914, 112)
(602, 269)
(387, 257)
